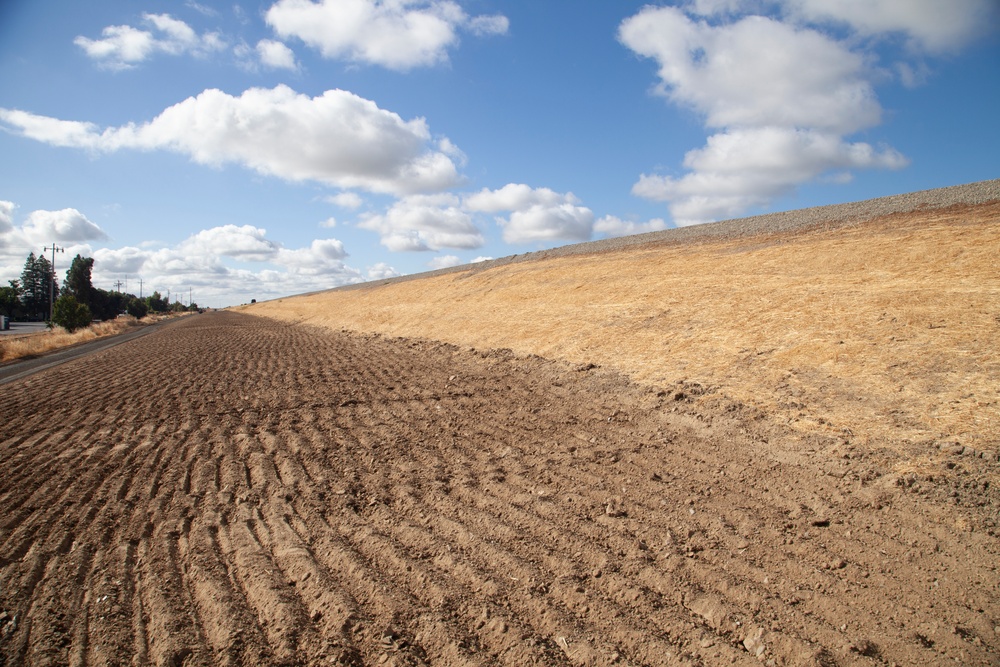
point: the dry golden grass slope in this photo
(30, 345)
(889, 328)
(14, 347)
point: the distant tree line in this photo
(77, 301)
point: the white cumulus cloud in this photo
(382, 271)
(321, 257)
(755, 72)
(515, 197)
(564, 222)
(65, 226)
(781, 97)
(218, 266)
(744, 168)
(444, 262)
(246, 242)
(276, 55)
(336, 138)
(127, 260)
(536, 214)
(123, 46)
(68, 229)
(396, 34)
(425, 222)
(612, 227)
(197, 263)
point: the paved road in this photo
(24, 328)
(16, 370)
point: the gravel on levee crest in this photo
(767, 441)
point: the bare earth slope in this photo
(232, 490)
(773, 448)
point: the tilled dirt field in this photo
(232, 490)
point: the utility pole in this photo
(52, 282)
(189, 297)
(140, 288)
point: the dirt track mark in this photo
(230, 490)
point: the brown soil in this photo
(237, 490)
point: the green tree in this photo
(156, 303)
(107, 305)
(70, 314)
(10, 299)
(100, 306)
(136, 307)
(37, 281)
(78, 280)
(112, 304)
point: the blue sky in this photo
(238, 150)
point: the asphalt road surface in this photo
(23, 328)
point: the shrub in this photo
(70, 314)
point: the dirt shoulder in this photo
(236, 490)
(20, 368)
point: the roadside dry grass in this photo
(29, 345)
(888, 330)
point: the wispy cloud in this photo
(201, 9)
(346, 200)
(612, 226)
(124, 47)
(929, 26)
(6, 218)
